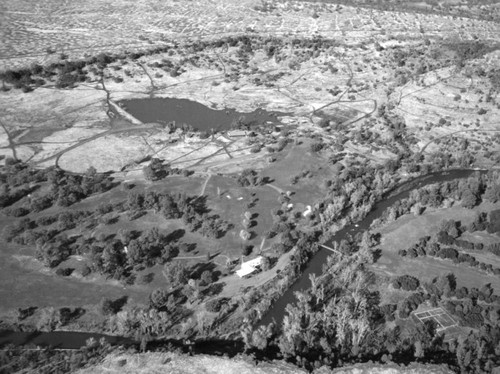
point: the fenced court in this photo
(440, 316)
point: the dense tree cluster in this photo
(20, 180)
(433, 248)
(67, 189)
(192, 210)
(156, 170)
(250, 178)
(216, 305)
(339, 320)
(470, 191)
(446, 243)
(406, 282)
(17, 181)
(410, 304)
(52, 360)
(67, 73)
(54, 251)
(118, 257)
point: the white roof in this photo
(307, 211)
(252, 263)
(245, 271)
(249, 267)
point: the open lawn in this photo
(41, 286)
(25, 283)
(297, 161)
(407, 230)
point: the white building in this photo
(308, 211)
(249, 267)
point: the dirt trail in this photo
(205, 185)
(11, 143)
(56, 156)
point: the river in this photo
(315, 265)
(74, 340)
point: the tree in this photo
(206, 278)
(52, 254)
(106, 306)
(469, 200)
(48, 320)
(247, 249)
(135, 201)
(316, 146)
(149, 173)
(492, 192)
(158, 298)
(265, 263)
(170, 209)
(406, 282)
(175, 273)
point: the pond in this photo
(192, 113)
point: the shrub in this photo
(106, 306)
(316, 146)
(256, 148)
(64, 272)
(216, 305)
(86, 271)
(145, 278)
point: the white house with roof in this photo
(249, 267)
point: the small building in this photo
(249, 267)
(308, 211)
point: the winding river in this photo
(315, 265)
(74, 340)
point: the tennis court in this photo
(442, 318)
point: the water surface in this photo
(315, 265)
(197, 115)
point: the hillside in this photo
(160, 363)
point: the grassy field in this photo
(408, 229)
(25, 283)
(298, 160)
(224, 197)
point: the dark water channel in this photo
(57, 339)
(74, 340)
(199, 116)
